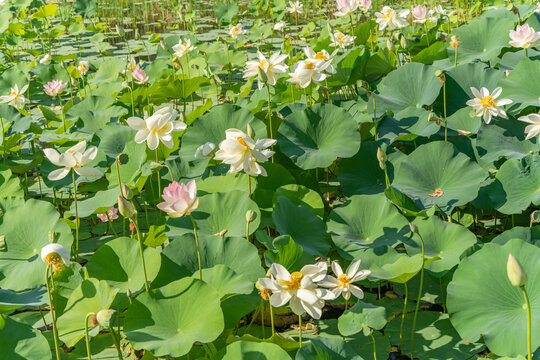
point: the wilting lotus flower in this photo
(139, 76)
(279, 25)
(15, 97)
(272, 66)
(180, 199)
(76, 157)
(485, 104)
(299, 289)
(242, 152)
(46, 60)
(321, 57)
(295, 7)
(339, 39)
(346, 7)
(83, 67)
(112, 214)
(343, 284)
(524, 37)
(206, 149)
(306, 71)
(55, 87)
(388, 18)
(516, 273)
(236, 31)
(534, 129)
(56, 255)
(157, 127)
(419, 12)
(183, 47)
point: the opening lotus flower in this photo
(321, 56)
(524, 37)
(46, 60)
(55, 255)
(183, 47)
(295, 7)
(299, 289)
(339, 39)
(271, 67)
(180, 199)
(388, 18)
(83, 67)
(139, 76)
(15, 97)
(111, 214)
(76, 157)
(307, 71)
(54, 88)
(419, 12)
(346, 7)
(485, 104)
(279, 25)
(243, 153)
(236, 31)
(533, 129)
(344, 283)
(157, 128)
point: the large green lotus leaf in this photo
(25, 234)
(180, 257)
(301, 223)
(225, 183)
(464, 120)
(317, 136)
(114, 138)
(20, 341)
(362, 317)
(504, 138)
(366, 221)
(434, 337)
(10, 300)
(284, 251)
(327, 348)
(435, 174)
(99, 203)
(301, 195)
(95, 112)
(108, 71)
(441, 239)
(412, 85)
(90, 296)
(481, 39)
(522, 85)
(10, 186)
(211, 127)
(520, 181)
(129, 171)
(225, 280)
(118, 263)
(483, 302)
(248, 350)
(218, 212)
(361, 174)
(385, 263)
(530, 235)
(406, 125)
(167, 321)
(350, 67)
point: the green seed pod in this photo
(105, 318)
(251, 216)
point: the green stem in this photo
(51, 306)
(42, 317)
(300, 330)
(116, 344)
(249, 186)
(110, 223)
(374, 345)
(270, 116)
(62, 112)
(136, 222)
(86, 336)
(158, 174)
(418, 298)
(3, 140)
(197, 244)
(529, 345)
(76, 215)
(403, 318)
(272, 320)
(445, 121)
(262, 319)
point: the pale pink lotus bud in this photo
(139, 76)
(112, 212)
(180, 199)
(55, 87)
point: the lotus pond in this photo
(269, 179)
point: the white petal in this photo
(58, 174)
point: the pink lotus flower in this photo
(55, 87)
(139, 76)
(180, 199)
(112, 212)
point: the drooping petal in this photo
(58, 174)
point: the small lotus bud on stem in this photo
(251, 216)
(127, 192)
(414, 228)
(516, 273)
(126, 208)
(381, 156)
(404, 42)
(390, 45)
(105, 318)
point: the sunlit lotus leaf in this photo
(522, 85)
(247, 350)
(362, 317)
(20, 341)
(327, 348)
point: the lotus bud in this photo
(120, 31)
(105, 318)
(250, 132)
(126, 192)
(126, 208)
(516, 273)
(381, 156)
(440, 75)
(390, 45)
(251, 216)
(454, 42)
(404, 42)
(414, 228)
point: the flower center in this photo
(241, 141)
(14, 93)
(388, 15)
(340, 37)
(264, 63)
(234, 30)
(55, 260)
(488, 101)
(344, 280)
(320, 56)
(310, 65)
(294, 281)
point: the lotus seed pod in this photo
(516, 273)
(251, 216)
(126, 192)
(105, 318)
(126, 208)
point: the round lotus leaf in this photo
(317, 136)
(248, 350)
(520, 180)
(24, 235)
(522, 85)
(327, 348)
(20, 341)
(118, 262)
(225, 280)
(366, 221)
(483, 302)
(530, 235)
(362, 317)
(301, 195)
(385, 263)
(441, 239)
(218, 212)
(167, 321)
(435, 174)
(10, 300)
(406, 125)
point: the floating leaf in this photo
(362, 317)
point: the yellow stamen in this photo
(320, 56)
(242, 141)
(294, 281)
(344, 280)
(55, 260)
(488, 101)
(310, 65)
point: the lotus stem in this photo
(51, 307)
(403, 318)
(249, 186)
(270, 116)
(76, 216)
(427, 35)
(262, 319)
(86, 336)
(374, 345)
(197, 244)
(529, 343)
(116, 344)
(110, 223)
(272, 320)
(418, 298)
(158, 174)
(136, 222)
(346, 303)
(300, 330)
(4, 141)
(445, 120)
(62, 112)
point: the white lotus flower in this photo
(295, 7)
(206, 149)
(299, 289)
(343, 284)
(183, 47)
(279, 25)
(157, 128)
(388, 18)
(306, 72)
(534, 129)
(485, 104)
(2, 2)
(131, 63)
(56, 255)
(46, 60)
(346, 7)
(83, 67)
(365, 5)
(236, 31)
(272, 66)
(15, 97)
(76, 157)
(341, 40)
(437, 11)
(321, 56)
(524, 37)
(419, 12)
(54, 88)
(243, 153)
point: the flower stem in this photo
(51, 306)
(262, 319)
(272, 320)
(197, 244)
(403, 318)
(249, 186)
(116, 344)
(76, 215)
(374, 345)
(158, 174)
(136, 222)
(300, 330)
(110, 223)
(87, 337)
(62, 112)
(529, 346)
(3, 141)
(418, 298)
(445, 121)
(270, 117)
